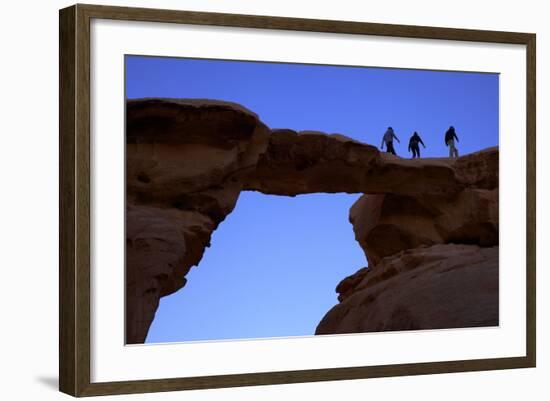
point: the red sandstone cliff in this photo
(184, 167)
(188, 160)
(433, 258)
(428, 287)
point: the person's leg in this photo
(390, 149)
(417, 148)
(452, 149)
(415, 151)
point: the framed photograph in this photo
(250, 200)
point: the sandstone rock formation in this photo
(308, 162)
(188, 160)
(387, 224)
(417, 277)
(184, 166)
(436, 287)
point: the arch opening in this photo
(270, 271)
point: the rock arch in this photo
(188, 160)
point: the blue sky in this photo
(275, 261)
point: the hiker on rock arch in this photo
(388, 140)
(413, 144)
(450, 137)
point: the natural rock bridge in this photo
(428, 227)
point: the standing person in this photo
(413, 144)
(450, 137)
(388, 140)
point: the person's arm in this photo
(456, 137)
(422, 143)
(396, 138)
(382, 145)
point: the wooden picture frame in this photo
(74, 206)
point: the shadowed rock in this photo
(161, 246)
(188, 160)
(182, 153)
(442, 286)
(308, 162)
(387, 224)
(185, 160)
(452, 285)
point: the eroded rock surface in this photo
(162, 244)
(184, 167)
(308, 162)
(442, 286)
(387, 224)
(188, 160)
(449, 240)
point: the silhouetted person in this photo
(450, 137)
(388, 140)
(413, 144)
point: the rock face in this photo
(188, 160)
(308, 162)
(184, 166)
(161, 246)
(419, 277)
(436, 287)
(387, 224)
